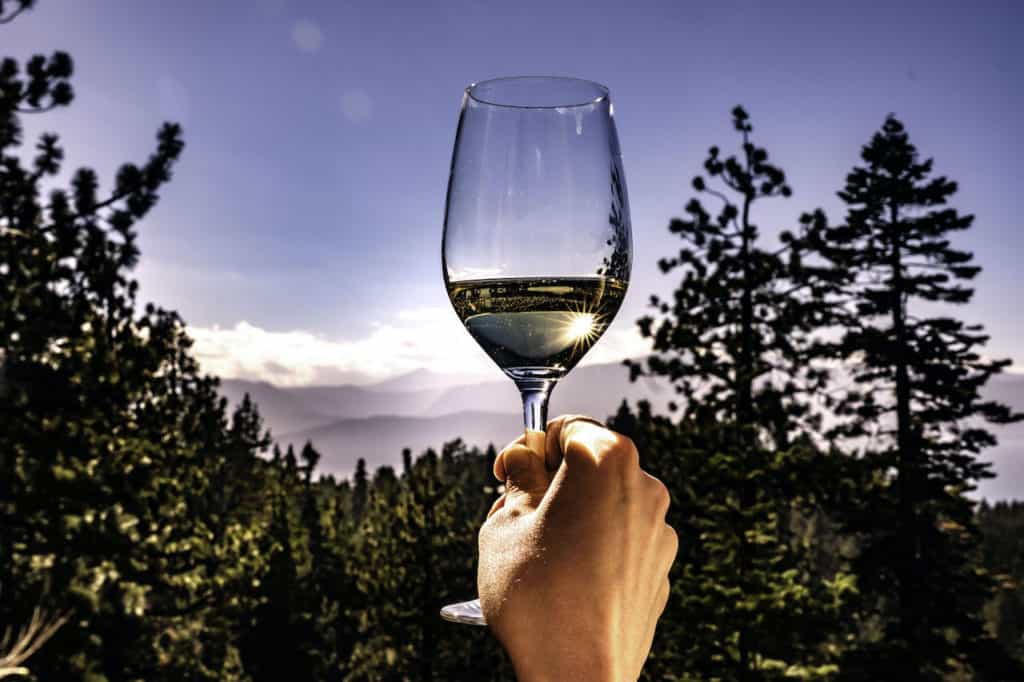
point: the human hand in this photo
(574, 556)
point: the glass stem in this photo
(535, 394)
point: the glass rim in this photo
(602, 90)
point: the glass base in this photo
(466, 612)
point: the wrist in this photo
(570, 675)
(566, 669)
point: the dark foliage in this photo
(737, 342)
(913, 407)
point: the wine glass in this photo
(537, 246)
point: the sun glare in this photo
(580, 326)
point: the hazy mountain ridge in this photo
(348, 422)
(1008, 456)
(422, 379)
(376, 421)
(290, 409)
(280, 407)
(380, 439)
(593, 389)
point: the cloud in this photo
(356, 105)
(307, 36)
(418, 338)
(617, 345)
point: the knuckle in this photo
(661, 496)
(612, 455)
(664, 594)
(671, 541)
(626, 444)
(578, 454)
(622, 455)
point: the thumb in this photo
(522, 470)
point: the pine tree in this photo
(310, 458)
(113, 444)
(311, 517)
(737, 337)
(737, 341)
(1002, 527)
(291, 462)
(273, 645)
(916, 410)
(414, 552)
(360, 490)
(336, 583)
(406, 462)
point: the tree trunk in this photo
(428, 607)
(745, 410)
(744, 385)
(907, 464)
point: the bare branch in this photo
(716, 193)
(8, 19)
(724, 199)
(36, 110)
(16, 650)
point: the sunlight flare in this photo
(580, 326)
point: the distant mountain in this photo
(595, 390)
(366, 421)
(415, 410)
(294, 408)
(380, 440)
(421, 380)
(1007, 388)
(1008, 463)
(281, 408)
(358, 401)
(1008, 456)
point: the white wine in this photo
(537, 322)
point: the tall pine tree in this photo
(737, 340)
(916, 408)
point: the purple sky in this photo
(300, 238)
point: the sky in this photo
(300, 237)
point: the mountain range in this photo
(425, 409)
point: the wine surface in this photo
(537, 322)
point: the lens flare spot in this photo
(580, 326)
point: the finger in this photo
(668, 547)
(553, 440)
(499, 461)
(535, 440)
(661, 601)
(524, 470)
(498, 504)
(587, 444)
(657, 494)
(661, 598)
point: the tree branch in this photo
(8, 19)
(36, 110)
(32, 637)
